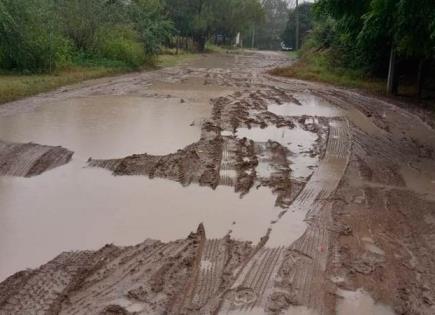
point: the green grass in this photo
(16, 86)
(13, 86)
(212, 48)
(293, 54)
(170, 58)
(315, 67)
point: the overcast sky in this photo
(293, 2)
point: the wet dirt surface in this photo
(312, 199)
(38, 158)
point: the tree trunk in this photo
(200, 43)
(420, 78)
(253, 38)
(392, 81)
(177, 43)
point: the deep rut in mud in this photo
(353, 177)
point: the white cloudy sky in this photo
(292, 2)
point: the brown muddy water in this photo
(75, 207)
(106, 126)
(72, 208)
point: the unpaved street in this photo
(245, 194)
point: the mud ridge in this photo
(180, 277)
(30, 159)
(221, 157)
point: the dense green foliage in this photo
(41, 35)
(200, 19)
(371, 39)
(361, 33)
(29, 37)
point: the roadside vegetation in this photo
(14, 86)
(45, 44)
(385, 46)
(316, 66)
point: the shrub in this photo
(119, 44)
(30, 38)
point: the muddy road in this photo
(302, 198)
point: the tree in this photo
(305, 22)
(236, 16)
(414, 37)
(371, 34)
(81, 19)
(38, 35)
(151, 25)
(30, 36)
(199, 19)
(268, 34)
(191, 19)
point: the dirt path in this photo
(353, 178)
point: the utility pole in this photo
(391, 82)
(253, 37)
(297, 25)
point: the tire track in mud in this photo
(30, 159)
(42, 291)
(308, 255)
(212, 265)
(250, 289)
(228, 169)
(276, 278)
(149, 278)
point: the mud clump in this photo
(246, 163)
(30, 159)
(149, 278)
(196, 163)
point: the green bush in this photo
(119, 44)
(41, 35)
(30, 39)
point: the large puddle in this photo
(74, 207)
(110, 126)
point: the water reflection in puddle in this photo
(311, 105)
(360, 303)
(299, 141)
(72, 208)
(110, 126)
